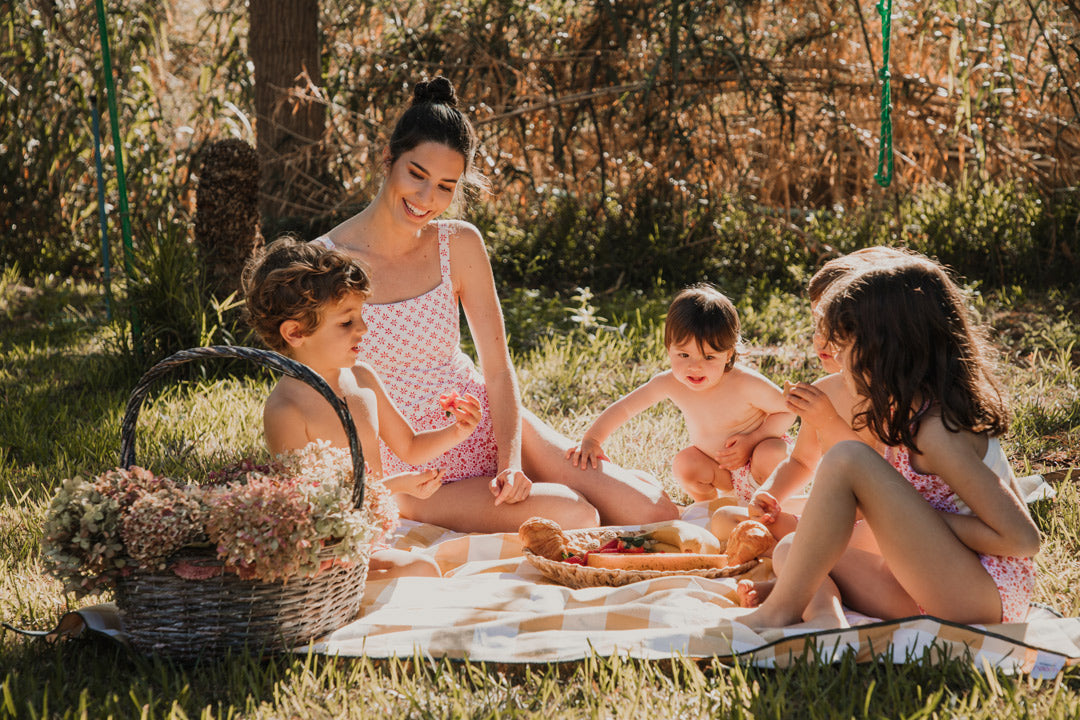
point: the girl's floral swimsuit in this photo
(415, 348)
(1013, 576)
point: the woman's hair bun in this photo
(437, 90)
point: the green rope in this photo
(884, 173)
(121, 184)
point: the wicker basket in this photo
(579, 576)
(186, 619)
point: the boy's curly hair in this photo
(294, 280)
(705, 314)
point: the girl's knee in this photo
(844, 458)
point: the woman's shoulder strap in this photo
(325, 241)
(443, 228)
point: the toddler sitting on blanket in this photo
(304, 300)
(736, 417)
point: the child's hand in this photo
(736, 453)
(510, 486)
(763, 507)
(464, 408)
(587, 454)
(811, 404)
(418, 483)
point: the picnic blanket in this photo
(492, 605)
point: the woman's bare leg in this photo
(621, 496)
(928, 561)
(468, 506)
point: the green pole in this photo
(884, 173)
(121, 184)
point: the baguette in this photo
(656, 561)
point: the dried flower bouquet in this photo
(290, 518)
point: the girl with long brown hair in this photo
(955, 538)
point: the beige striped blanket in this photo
(492, 605)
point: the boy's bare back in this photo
(296, 414)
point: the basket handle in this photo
(266, 358)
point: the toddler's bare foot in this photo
(751, 594)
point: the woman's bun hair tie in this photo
(438, 90)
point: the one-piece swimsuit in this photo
(414, 346)
(1014, 577)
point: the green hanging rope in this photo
(121, 184)
(884, 173)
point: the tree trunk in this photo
(284, 48)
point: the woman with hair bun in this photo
(423, 269)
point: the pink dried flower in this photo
(159, 523)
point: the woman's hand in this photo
(510, 486)
(418, 483)
(587, 454)
(465, 409)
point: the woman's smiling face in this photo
(422, 182)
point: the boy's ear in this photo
(292, 332)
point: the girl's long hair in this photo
(914, 345)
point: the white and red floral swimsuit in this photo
(1013, 576)
(415, 348)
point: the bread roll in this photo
(544, 537)
(656, 561)
(748, 540)
(681, 536)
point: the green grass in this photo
(63, 393)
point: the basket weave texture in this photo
(580, 576)
(186, 619)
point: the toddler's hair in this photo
(294, 280)
(912, 336)
(703, 313)
(862, 259)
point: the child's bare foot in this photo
(764, 617)
(751, 594)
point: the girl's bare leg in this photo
(468, 506)
(699, 475)
(928, 561)
(824, 609)
(621, 496)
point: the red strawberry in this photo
(449, 400)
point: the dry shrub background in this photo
(779, 100)
(624, 139)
